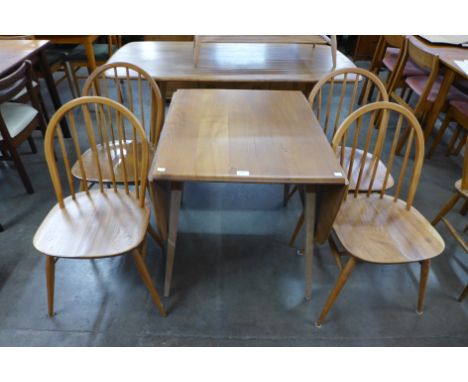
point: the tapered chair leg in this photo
(21, 170)
(463, 294)
(439, 136)
(337, 289)
(425, 267)
(285, 194)
(155, 236)
(298, 227)
(140, 264)
(464, 209)
(335, 253)
(453, 140)
(32, 145)
(446, 208)
(459, 147)
(50, 278)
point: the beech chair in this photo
(425, 87)
(461, 192)
(377, 227)
(17, 120)
(458, 113)
(106, 222)
(134, 88)
(333, 88)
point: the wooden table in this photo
(86, 41)
(447, 56)
(14, 52)
(245, 136)
(232, 64)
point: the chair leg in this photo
(464, 209)
(75, 78)
(459, 147)
(50, 277)
(439, 136)
(453, 140)
(425, 267)
(463, 294)
(337, 289)
(335, 253)
(74, 91)
(32, 145)
(155, 236)
(140, 264)
(446, 208)
(298, 227)
(1, 228)
(21, 170)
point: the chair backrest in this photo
(125, 83)
(386, 41)
(375, 141)
(15, 82)
(324, 94)
(103, 119)
(428, 62)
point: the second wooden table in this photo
(246, 136)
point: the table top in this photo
(244, 136)
(68, 39)
(447, 54)
(249, 62)
(14, 52)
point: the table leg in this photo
(438, 103)
(45, 69)
(90, 56)
(176, 194)
(157, 194)
(310, 198)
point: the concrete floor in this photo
(236, 282)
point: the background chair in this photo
(18, 120)
(133, 87)
(331, 103)
(100, 223)
(376, 227)
(426, 87)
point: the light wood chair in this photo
(458, 113)
(17, 120)
(134, 88)
(105, 222)
(376, 227)
(461, 192)
(335, 88)
(425, 87)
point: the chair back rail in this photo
(323, 94)
(15, 82)
(363, 121)
(102, 118)
(125, 83)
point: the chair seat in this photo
(462, 107)
(91, 170)
(391, 58)
(367, 171)
(382, 231)
(101, 53)
(458, 187)
(418, 83)
(17, 117)
(100, 225)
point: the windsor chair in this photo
(377, 227)
(106, 222)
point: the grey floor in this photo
(236, 281)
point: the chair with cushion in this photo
(136, 89)
(377, 227)
(332, 99)
(18, 120)
(425, 87)
(100, 223)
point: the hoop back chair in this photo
(17, 120)
(379, 227)
(99, 223)
(341, 87)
